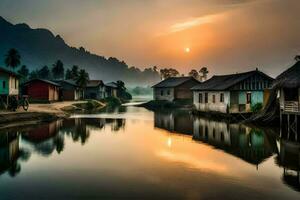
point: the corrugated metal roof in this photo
(94, 83)
(43, 80)
(173, 82)
(9, 71)
(112, 85)
(223, 82)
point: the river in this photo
(131, 153)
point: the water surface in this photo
(135, 153)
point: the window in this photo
(253, 86)
(162, 93)
(3, 84)
(200, 98)
(221, 97)
(206, 97)
(248, 98)
(214, 98)
(168, 92)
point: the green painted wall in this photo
(4, 78)
(242, 97)
(257, 97)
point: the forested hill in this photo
(39, 47)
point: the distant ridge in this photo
(39, 47)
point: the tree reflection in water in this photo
(11, 153)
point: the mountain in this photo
(39, 47)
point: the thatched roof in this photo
(289, 78)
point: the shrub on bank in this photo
(256, 107)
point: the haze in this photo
(226, 36)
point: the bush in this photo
(112, 101)
(256, 107)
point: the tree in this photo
(12, 59)
(74, 72)
(24, 71)
(68, 75)
(82, 79)
(58, 70)
(204, 71)
(44, 72)
(167, 73)
(194, 73)
(33, 75)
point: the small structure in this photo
(42, 90)
(9, 82)
(94, 90)
(70, 91)
(174, 88)
(234, 93)
(287, 86)
(111, 89)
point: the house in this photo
(70, 91)
(111, 89)
(9, 82)
(174, 88)
(42, 90)
(94, 90)
(234, 93)
(287, 88)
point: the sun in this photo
(187, 50)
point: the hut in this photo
(42, 90)
(233, 93)
(174, 88)
(70, 91)
(9, 82)
(111, 89)
(287, 89)
(94, 90)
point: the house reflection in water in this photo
(45, 138)
(250, 144)
(9, 153)
(177, 122)
(289, 159)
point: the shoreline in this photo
(40, 113)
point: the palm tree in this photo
(82, 79)
(12, 59)
(58, 70)
(204, 73)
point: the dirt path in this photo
(35, 114)
(51, 108)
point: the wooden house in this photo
(234, 93)
(9, 82)
(42, 90)
(111, 89)
(287, 89)
(94, 90)
(174, 88)
(70, 91)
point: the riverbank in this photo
(38, 113)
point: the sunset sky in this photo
(227, 36)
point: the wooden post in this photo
(296, 127)
(280, 134)
(288, 124)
